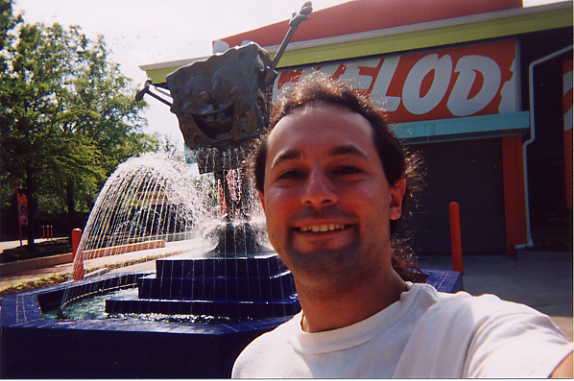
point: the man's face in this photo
(326, 197)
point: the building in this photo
(482, 89)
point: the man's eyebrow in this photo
(336, 151)
(348, 150)
(286, 155)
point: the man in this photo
(332, 180)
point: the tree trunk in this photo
(71, 203)
(30, 191)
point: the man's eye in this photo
(290, 175)
(347, 170)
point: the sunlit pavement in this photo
(172, 248)
(540, 279)
(12, 244)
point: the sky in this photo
(139, 32)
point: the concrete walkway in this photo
(172, 248)
(12, 244)
(540, 279)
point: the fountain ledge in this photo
(41, 347)
(36, 346)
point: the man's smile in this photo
(321, 228)
(309, 236)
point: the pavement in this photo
(540, 279)
(172, 248)
(12, 244)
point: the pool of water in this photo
(93, 308)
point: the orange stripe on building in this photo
(367, 15)
(514, 197)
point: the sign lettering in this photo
(443, 83)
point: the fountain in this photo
(222, 104)
(216, 284)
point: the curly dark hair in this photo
(398, 162)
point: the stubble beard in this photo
(336, 269)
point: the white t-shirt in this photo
(424, 334)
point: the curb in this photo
(11, 268)
(35, 263)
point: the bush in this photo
(40, 249)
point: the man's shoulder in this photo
(484, 305)
(465, 314)
(276, 336)
(480, 336)
(268, 344)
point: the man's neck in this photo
(328, 309)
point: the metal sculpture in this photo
(222, 104)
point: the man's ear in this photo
(261, 200)
(397, 192)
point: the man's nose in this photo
(319, 190)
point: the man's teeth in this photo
(322, 228)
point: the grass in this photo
(36, 283)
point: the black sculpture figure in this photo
(223, 101)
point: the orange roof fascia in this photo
(366, 15)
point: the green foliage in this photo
(57, 278)
(7, 22)
(6, 193)
(42, 249)
(68, 115)
(46, 281)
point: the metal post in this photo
(296, 19)
(455, 236)
(78, 260)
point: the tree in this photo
(68, 116)
(7, 22)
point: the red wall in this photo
(366, 15)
